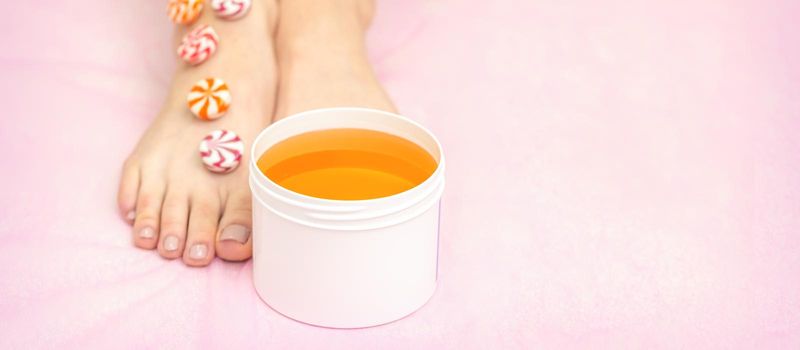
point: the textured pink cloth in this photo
(621, 174)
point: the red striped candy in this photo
(198, 45)
(221, 151)
(230, 9)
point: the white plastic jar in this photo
(345, 263)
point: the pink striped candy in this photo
(230, 9)
(221, 151)
(198, 45)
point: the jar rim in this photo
(338, 212)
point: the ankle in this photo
(298, 13)
(334, 29)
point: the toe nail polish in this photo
(147, 232)
(131, 215)
(171, 243)
(198, 251)
(236, 233)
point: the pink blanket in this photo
(622, 174)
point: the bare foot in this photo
(175, 205)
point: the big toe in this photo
(234, 241)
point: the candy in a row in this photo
(187, 11)
(184, 11)
(209, 98)
(231, 9)
(198, 45)
(221, 151)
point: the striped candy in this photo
(198, 45)
(184, 11)
(230, 9)
(221, 151)
(209, 98)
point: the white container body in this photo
(345, 264)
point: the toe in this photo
(233, 239)
(148, 213)
(128, 188)
(174, 221)
(203, 220)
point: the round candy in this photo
(221, 151)
(184, 11)
(209, 98)
(198, 45)
(231, 9)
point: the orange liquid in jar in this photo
(347, 164)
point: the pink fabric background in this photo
(621, 175)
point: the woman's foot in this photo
(322, 57)
(175, 205)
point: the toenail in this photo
(131, 215)
(171, 243)
(236, 233)
(147, 232)
(198, 251)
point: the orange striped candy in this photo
(184, 11)
(209, 98)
